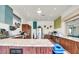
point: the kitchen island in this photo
(25, 46)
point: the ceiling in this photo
(49, 12)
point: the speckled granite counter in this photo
(71, 38)
(26, 42)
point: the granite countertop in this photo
(70, 38)
(26, 42)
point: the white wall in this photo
(15, 32)
(48, 24)
(70, 12)
(41, 23)
(4, 26)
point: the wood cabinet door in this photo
(0, 49)
(62, 42)
(69, 45)
(54, 39)
(29, 50)
(27, 29)
(72, 47)
(77, 44)
(4, 50)
(37, 50)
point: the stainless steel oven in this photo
(16, 51)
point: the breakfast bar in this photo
(25, 46)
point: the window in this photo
(73, 28)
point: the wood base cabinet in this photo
(37, 50)
(4, 50)
(70, 45)
(26, 50)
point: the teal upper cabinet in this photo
(34, 24)
(16, 18)
(2, 14)
(6, 14)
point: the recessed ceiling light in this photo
(39, 11)
(55, 8)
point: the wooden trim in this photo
(72, 17)
(72, 14)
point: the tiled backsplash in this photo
(4, 26)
